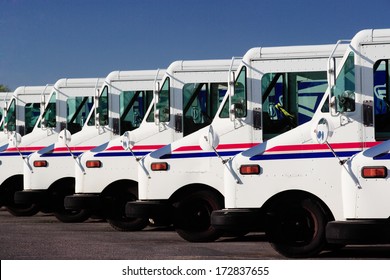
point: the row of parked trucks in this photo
(291, 141)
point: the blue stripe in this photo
(12, 154)
(384, 156)
(200, 155)
(121, 154)
(303, 155)
(66, 154)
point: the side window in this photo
(31, 113)
(49, 116)
(78, 109)
(102, 110)
(200, 104)
(239, 98)
(344, 89)
(290, 100)
(382, 100)
(10, 117)
(133, 105)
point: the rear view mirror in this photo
(322, 131)
(127, 144)
(15, 140)
(209, 141)
(64, 137)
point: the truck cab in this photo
(291, 186)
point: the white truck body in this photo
(21, 111)
(60, 107)
(186, 86)
(291, 184)
(292, 79)
(125, 97)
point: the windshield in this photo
(133, 106)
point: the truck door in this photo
(371, 167)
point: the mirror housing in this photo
(232, 80)
(64, 137)
(322, 131)
(15, 139)
(209, 141)
(127, 143)
(347, 101)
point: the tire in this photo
(72, 216)
(118, 220)
(296, 228)
(23, 210)
(9, 189)
(58, 194)
(193, 216)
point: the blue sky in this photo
(45, 40)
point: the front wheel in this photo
(296, 228)
(193, 216)
(20, 210)
(72, 216)
(118, 219)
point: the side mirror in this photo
(64, 137)
(347, 101)
(15, 140)
(232, 80)
(157, 116)
(236, 111)
(127, 144)
(322, 131)
(209, 141)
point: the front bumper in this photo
(159, 209)
(83, 201)
(32, 197)
(238, 219)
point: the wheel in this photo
(72, 216)
(193, 216)
(23, 209)
(58, 194)
(296, 228)
(10, 187)
(118, 220)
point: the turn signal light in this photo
(159, 166)
(93, 164)
(250, 169)
(374, 172)
(40, 163)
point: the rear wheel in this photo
(118, 220)
(193, 216)
(296, 228)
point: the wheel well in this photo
(179, 194)
(285, 195)
(9, 186)
(67, 183)
(117, 186)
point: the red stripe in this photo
(25, 149)
(138, 147)
(336, 146)
(241, 146)
(76, 148)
